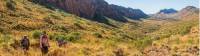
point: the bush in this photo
(143, 42)
(48, 20)
(36, 34)
(1, 29)
(55, 16)
(11, 5)
(60, 28)
(98, 35)
(73, 36)
(58, 37)
(77, 24)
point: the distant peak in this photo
(190, 7)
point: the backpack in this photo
(25, 42)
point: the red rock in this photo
(94, 9)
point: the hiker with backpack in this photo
(25, 43)
(61, 42)
(44, 43)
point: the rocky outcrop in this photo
(93, 9)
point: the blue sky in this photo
(153, 6)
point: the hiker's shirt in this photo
(44, 40)
(25, 42)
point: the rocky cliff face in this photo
(94, 9)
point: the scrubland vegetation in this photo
(90, 38)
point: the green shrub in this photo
(58, 37)
(74, 36)
(36, 34)
(143, 42)
(61, 37)
(55, 16)
(48, 20)
(110, 43)
(97, 35)
(60, 28)
(77, 24)
(11, 5)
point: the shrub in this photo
(110, 42)
(98, 35)
(48, 20)
(77, 24)
(58, 37)
(36, 34)
(1, 29)
(73, 36)
(55, 16)
(60, 28)
(62, 12)
(143, 42)
(11, 5)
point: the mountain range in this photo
(174, 14)
(96, 10)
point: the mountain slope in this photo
(94, 9)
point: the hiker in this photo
(44, 43)
(25, 43)
(61, 42)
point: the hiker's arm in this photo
(40, 41)
(48, 42)
(21, 41)
(28, 42)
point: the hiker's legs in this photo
(44, 50)
(25, 51)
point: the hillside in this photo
(95, 10)
(90, 38)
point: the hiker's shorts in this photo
(44, 49)
(25, 48)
